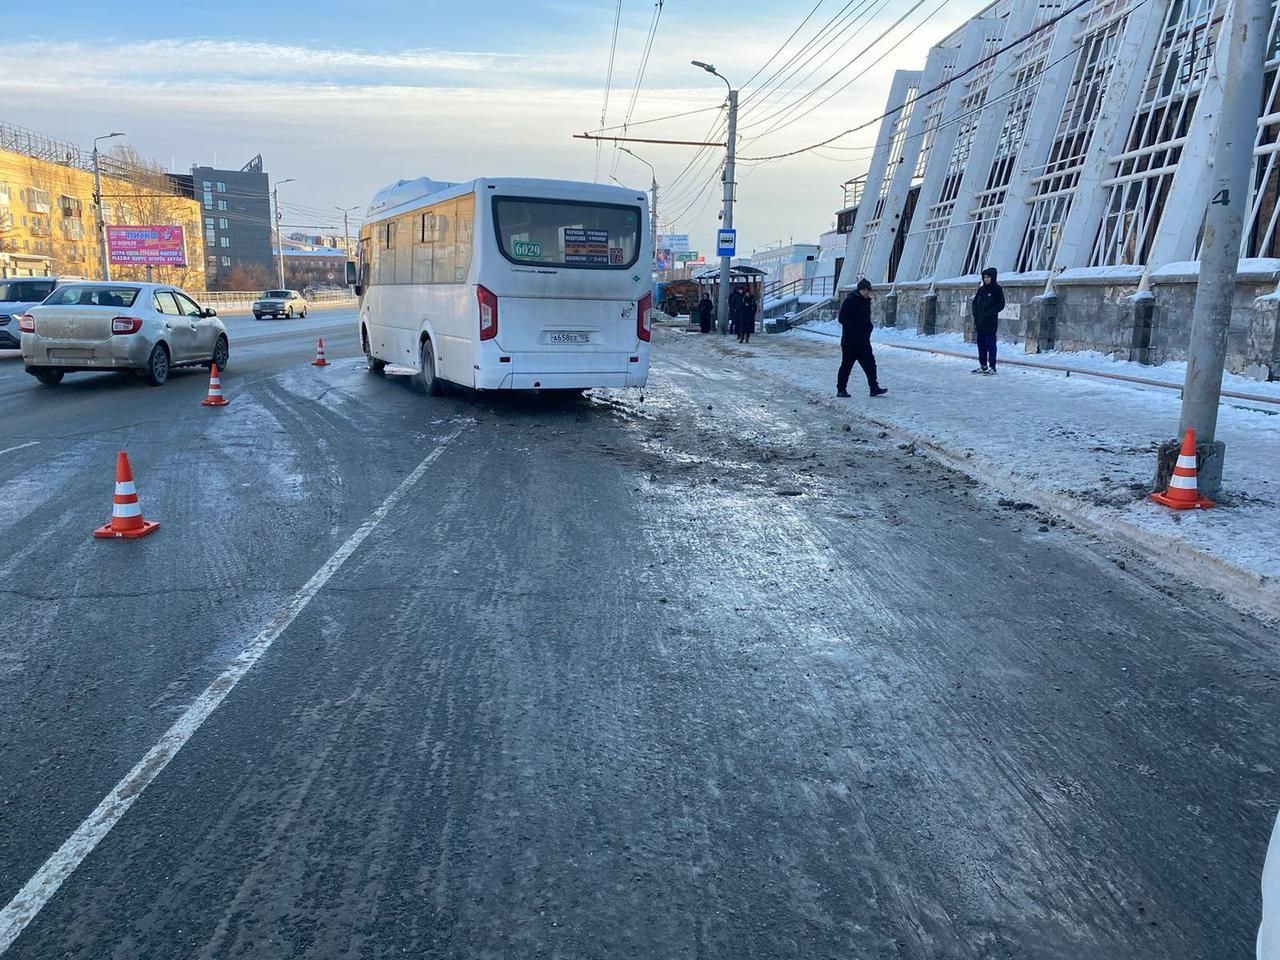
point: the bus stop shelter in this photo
(752, 278)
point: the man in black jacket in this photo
(987, 304)
(705, 308)
(735, 311)
(855, 340)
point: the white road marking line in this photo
(21, 446)
(38, 891)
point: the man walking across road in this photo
(987, 304)
(855, 340)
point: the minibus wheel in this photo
(427, 369)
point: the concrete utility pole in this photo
(275, 196)
(97, 206)
(653, 200)
(346, 229)
(726, 216)
(1240, 74)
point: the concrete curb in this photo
(1249, 592)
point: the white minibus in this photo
(507, 284)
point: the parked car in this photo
(149, 328)
(280, 303)
(17, 296)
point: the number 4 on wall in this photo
(1222, 198)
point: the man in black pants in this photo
(855, 340)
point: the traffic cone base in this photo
(126, 513)
(215, 397)
(1183, 492)
(319, 361)
(105, 532)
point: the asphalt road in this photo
(698, 675)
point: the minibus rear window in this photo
(567, 233)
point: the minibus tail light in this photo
(488, 302)
(644, 317)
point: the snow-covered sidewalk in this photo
(1080, 446)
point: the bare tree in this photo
(136, 191)
(245, 276)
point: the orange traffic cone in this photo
(1183, 492)
(126, 514)
(215, 397)
(319, 361)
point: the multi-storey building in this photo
(235, 206)
(48, 219)
(1066, 145)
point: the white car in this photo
(149, 328)
(280, 303)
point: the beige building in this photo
(47, 214)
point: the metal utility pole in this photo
(97, 206)
(726, 216)
(1241, 78)
(275, 196)
(653, 199)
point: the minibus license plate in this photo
(570, 338)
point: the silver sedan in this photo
(149, 328)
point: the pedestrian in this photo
(747, 322)
(735, 311)
(855, 340)
(704, 313)
(987, 304)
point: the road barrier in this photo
(243, 299)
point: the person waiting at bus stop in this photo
(747, 322)
(705, 309)
(855, 340)
(735, 311)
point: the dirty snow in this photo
(1077, 439)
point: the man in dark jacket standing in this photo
(747, 322)
(987, 304)
(855, 340)
(735, 312)
(705, 306)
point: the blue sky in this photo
(345, 97)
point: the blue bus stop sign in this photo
(726, 243)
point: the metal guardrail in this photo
(243, 299)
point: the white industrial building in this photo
(1074, 162)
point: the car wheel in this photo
(288, 314)
(156, 372)
(49, 377)
(304, 313)
(221, 353)
(427, 370)
(257, 316)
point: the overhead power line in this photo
(940, 86)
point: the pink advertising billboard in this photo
(147, 245)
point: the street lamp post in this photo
(653, 201)
(722, 300)
(275, 195)
(97, 205)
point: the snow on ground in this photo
(1082, 442)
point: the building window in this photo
(222, 223)
(209, 235)
(38, 200)
(213, 259)
(208, 198)
(71, 207)
(222, 187)
(224, 242)
(72, 229)
(222, 205)
(226, 261)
